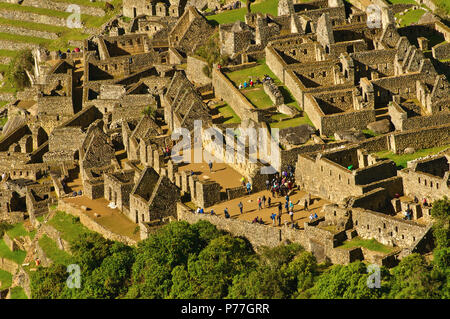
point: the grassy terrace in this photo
(402, 1)
(52, 251)
(68, 226)
(17, 256)
(402, 159)
(5, 279)
(263, 6)
(17, 231)
(65, 34)
(260, 99)
(18, 293)
(370, 244)
(228, 114)
(410, 17)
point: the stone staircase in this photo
(382, 113)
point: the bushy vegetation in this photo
(16, 74)
(199, 261)
(210, 52)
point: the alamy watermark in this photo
(74, 20)
(74, 279)
(208, 146)
(374, 279)
(374, 16)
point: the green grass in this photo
(3, 68)
(264, 6)
(402, 1)
(370, 244)
(17, 231)
(18, 293)
(261, 100)
(3, 103)
(53, 252)
(258, 98)
(8, 53)
(17, 256)
(69, 228)
(6, 279)
(228, 114)
(402, 159)
(88, 3)
(3, 121)
(412, 16)
(292, 122)
(64, 33)
(23, 38)
(369, 133)
(443, 5)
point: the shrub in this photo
(16, 73)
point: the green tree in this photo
(441, 254)
(159, 254)
(210, 52)
(89, 251)
(48, 283)
(211, 273)
(411, 279)
(347, 282)
(441, 215)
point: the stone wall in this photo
(194, 71)
(421, 138)
(441, 51)
(424, 185)
(8, 265)
(32, 17)
(9, 242)
(93, 225)
(386, 229)
(224, 89)
(61, 6)
(12, 217)
(401, 121)
(28, 32)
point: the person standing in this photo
(286, 206)
(291, 215)
(291, 206)
(259, 203)
(269, 201)
(273, 218)
(264, 201)
(243, 181)
(280, 207)
(226, 213)
(279, 219)
(210, 166)
(241, 207)
(267, 185)
(249, 187)
(306, 204)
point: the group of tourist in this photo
(281, 185)
(251, 83)
(257, 220)
(76, 50)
